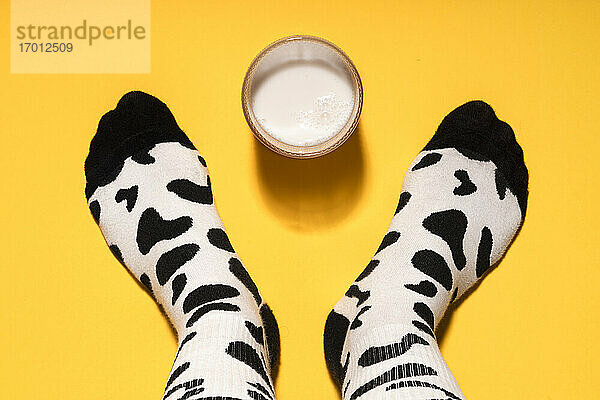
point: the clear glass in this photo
(290, 150)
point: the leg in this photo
(149, 191)
(462, 202)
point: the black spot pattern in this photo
(176, 373)
(172, 260)
(218, 238)
(202, 311)
(425, 313)
(178, 285)
(501, 184)
(354, 291)
(95, 210)
(375, 355)
(185, 385)
(403, 201)
(356, 323)
(143, 157)
(346, 388)
(184, 341)
(191, 191)
(245, 353)
(399, 372)
(425, 288)
(427, 160)
(129, 195)
(190, 393)
(260, 388)
(411, 384)
(423, 328)
(484, 251)
(202, 161)
(433, 265)
(389, 239)
(238, 270)
(206, 294)
(271, 331)
(117, 253)
(153, 229)
(451, 226)
(334, 336)
(255, 331)
(467, 186)
(368, 269)
(145, 279)
(254, 395)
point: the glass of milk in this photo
(302, 96)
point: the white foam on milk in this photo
(303, 100)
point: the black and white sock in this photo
(462, 202)
(149, 191)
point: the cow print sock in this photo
(149, 191)
(462, 202)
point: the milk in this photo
(302, 94)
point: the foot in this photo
(462, 202)
(149, 191)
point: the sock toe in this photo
(475, 131)
(473, 115)
(138, 122)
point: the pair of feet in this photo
(462, 202)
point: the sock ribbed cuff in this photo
(417, 355)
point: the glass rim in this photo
(287, 149)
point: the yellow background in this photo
(74, 325)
